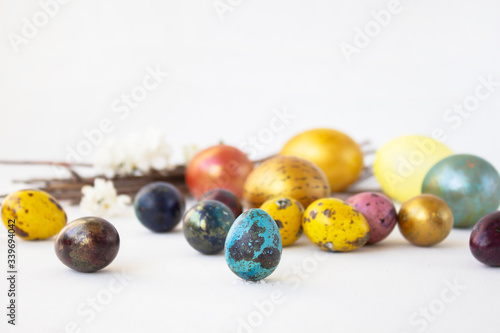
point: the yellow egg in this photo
(401, 165)
(285, 176)
(335, 153)
(287, 213)
(37, 215)
(333, 225)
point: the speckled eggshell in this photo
(285, 176)
(253, 245)
(379, 211)
(37, 214)
(334, 225)
(87, 244)
(287, 213)
(206, 225)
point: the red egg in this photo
(218, 166)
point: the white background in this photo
(226, 77)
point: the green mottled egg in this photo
(206, 226)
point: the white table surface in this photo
(159, 283)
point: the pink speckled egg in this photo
(379, 211)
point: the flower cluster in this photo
(135, 154)
(102, 199)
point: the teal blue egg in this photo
(253, 245)
(469, 185)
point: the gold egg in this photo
(334, 152)
(425, 220)
(285, 176)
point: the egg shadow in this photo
(388, 245)
(451, 244)
(37, 240)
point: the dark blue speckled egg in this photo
(206, 225)
(253, 245)
(159, 206)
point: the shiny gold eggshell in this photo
(334, 152)
(425, 220)
(285, 176)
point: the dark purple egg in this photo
(485, 240)
(227, 197)
(87, 244)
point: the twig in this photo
(65, 165)
(70, 189)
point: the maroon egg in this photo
(485, 240)
(227, 197)
(87, 244)
(379, 211)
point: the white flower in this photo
(142, 153)
(102, 199)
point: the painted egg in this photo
(36, 214)
(227, 197)
(285, 176)
(87, 244)
(401, 165)
(287, 213)
(425, 220)
(253, 245)
(379, 211)
(333, 225)
(159, 206)
(206, 225)
(468, 184)
(219, 166)
(485, 240)
(334, 152)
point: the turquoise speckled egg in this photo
(468, 184)
(253, 245)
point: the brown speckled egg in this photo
(285, 176)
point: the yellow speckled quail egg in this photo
(333, 225)
(36, 214)
(287, 213)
